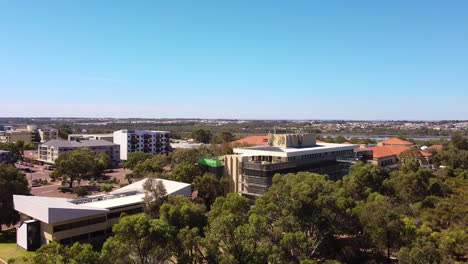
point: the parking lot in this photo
(38, 172)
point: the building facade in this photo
(251, 169)
(154, 142)
(49, 151)
(90, 220)
(12, 136)
(47, 133)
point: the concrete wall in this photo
(292, 140)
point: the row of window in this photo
(79, 224)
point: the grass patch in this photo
(9, 249)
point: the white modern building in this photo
(90, 219)
(154, 142)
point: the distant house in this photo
(395, 142)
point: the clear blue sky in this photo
(235, 59)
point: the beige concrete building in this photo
(46, 219)
(251, 169)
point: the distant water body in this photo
(380, 138)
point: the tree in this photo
(190, 156)
(225, 137)
(16, 149)
(135, 158)
(76, 165)
(185, 172)
(459, 142)
(181, 212)
(138, 239)
(231, 238)
(155, 164)
(208, 188)
(55, 253)
(382, 223)
(363, 179)
(12, 182)
(103, 162)
(155, 194)
(202, 136)
(64, 130)
(299, 215)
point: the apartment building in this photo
(90, 219)
(52, 149)
(47, 133)
(154, 142)
(251, 169)
(78, 137)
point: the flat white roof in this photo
(54, 209)
(292, 152)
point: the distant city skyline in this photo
(359, 60)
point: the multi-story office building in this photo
(52, 149)
(46, 219)
(251, 169)
(154, 142)
(47, 133)
(77, 137)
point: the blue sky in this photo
(235, 59)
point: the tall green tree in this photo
(208, 188)
(300, 214)
(155, 195)
(135, 158)
(364, 179)
(138, 239)
(382, 223)
(76, 165)
(12, 182)
(231, 238)
(55, 253)
(185, 172)
(202, 136)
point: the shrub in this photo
(80, 191)
(107, 187)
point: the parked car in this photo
(35, 184)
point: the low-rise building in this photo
(5, 156)
(52, 149)
(148, 141)
(46, 219)
(78, 137)
(251, 169)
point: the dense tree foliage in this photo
(77, 165)
(12, 182)
(202, 136)
(134, 158)
(17, 148)
(409, 215)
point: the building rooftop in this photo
(53, 209)
(396, 141)
(291, 152)
(77, 144)
(253, 140)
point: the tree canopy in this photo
(12, 181)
